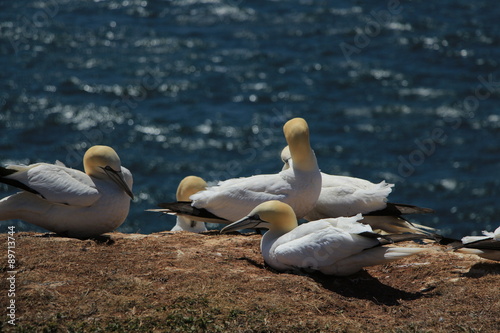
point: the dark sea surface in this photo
(404, 92)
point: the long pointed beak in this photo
(117, 177)
(287, 164)
(248, 222)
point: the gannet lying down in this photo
(348, 196)
(487, 246)
(187, 187)
(339, 246)
(68, 201)
(230, 200)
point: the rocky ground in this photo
(184, 282)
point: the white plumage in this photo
(230, 200)
(68, 201)
(348, 196)
(337, 246)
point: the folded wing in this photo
(55, 183)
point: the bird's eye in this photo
(108, 168)
(255, 217)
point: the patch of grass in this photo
(235, 313)
(192, 314)
(182, 323)
(187, 302)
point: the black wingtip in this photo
(452, 243)
(484, 244)
(4, 172)
(197, 214)
(174, 205)
(446, 240)
(411, 209)
(394, 209)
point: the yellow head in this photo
(102, 162)
(273, 215)
(98, 157)
(279, 214)
(189, 186)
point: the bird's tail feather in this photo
(21, 205)
(395, 253)
(374, 256)
(486, 254)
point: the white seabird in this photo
(230, 200)
(486, 246)
(68, 201)
(339, 246)
(347, 196)
(187, 187)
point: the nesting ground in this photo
(185, 282)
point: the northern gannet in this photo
(230, 200)
(68, 201)
(338, 246)
(343, 196)
(187, 187)
(486, 246)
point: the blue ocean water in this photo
(402, 91)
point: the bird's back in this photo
(233, 199)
